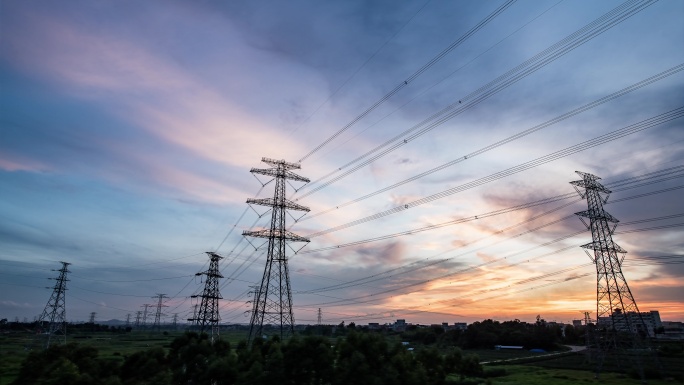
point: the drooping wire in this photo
(602, 139)
(519, 135)
(413, 76)
(568, 44)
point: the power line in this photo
(599, 140)
(361, 67)
(635, 181)
(415, 75)
(366, 280)
(519, 135)
(550, 54)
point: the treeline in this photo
(360, 358)
(487, 334)
(478, 335)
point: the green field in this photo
(534, 368)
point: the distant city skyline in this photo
(128, 130)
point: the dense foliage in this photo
(360, 358)
(487, 334)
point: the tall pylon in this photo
(273, 298)
(158, 314)
(208, 316)
(619, 325)
(55, 309)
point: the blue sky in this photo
(127, 132)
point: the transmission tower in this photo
(273, 298)
(175, 321)
(619, 324)
(193, 320)
(208, 315)
(320, 317)
(144, 315)
(128, 319)
(158, 314)
(55, 309)
(92, 317)
(138, 317)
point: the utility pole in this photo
(55, 309)
(619, 323)
(158, 314)
(273, 298)
(208, 316)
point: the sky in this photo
(128, 131)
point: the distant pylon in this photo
(55, 309)
(619, 323)
(144, 315)
(273, 298)
(320, 317)
(193, 320)
(138, 318)
(128, 319)
(92, 317)
(175, 321)
(208, 316)
(158, 314)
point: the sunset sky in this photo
(128, 130)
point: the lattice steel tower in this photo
(620, 329)
(208, 316)
(158, 314)
(273, 298)
(55, 309)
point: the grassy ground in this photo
(13, 347)
(565, 370)
(534, 375)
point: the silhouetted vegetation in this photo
(360, 358)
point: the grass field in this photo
(564, 370)
(535, 375)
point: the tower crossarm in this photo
(277, 233)
(280, 163)
(279, 173)
(604, 246)
(597, 215)
(270, 202)
(590, 182)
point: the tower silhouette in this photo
(158, 314)
(273, 298)
(144, 315)
(208, 316)
(55, 309)
(620, 331)
(138, 316)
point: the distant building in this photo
(460, 325)
(373, 325)
(399, 325)
(672, 330)
(577, 322)
(633, 321)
